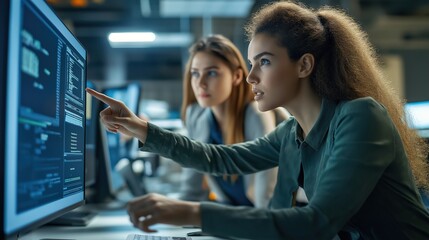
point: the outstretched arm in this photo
(242, 158)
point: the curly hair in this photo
(346, 65)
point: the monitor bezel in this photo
(6, 15)
(4, 39)
(106, 164)
(95, 106)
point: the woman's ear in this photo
(306, 65)
(237, 76)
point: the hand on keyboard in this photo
(153, 208)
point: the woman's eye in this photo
(195, 75)
(264, 61)
(212, 73)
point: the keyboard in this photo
(151, 237)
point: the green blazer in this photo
(356, 175)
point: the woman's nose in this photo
(202, 83)
(251, 77)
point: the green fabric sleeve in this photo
(242, 158)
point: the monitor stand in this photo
(77, 217)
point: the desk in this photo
(106, 225)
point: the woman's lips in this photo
(204, 95)
(258, 94)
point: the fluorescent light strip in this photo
(132, 37)
(162, 40)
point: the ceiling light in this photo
(161, 40)
(132, 37)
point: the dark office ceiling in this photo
(391, 24)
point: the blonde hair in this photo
(346, 64)
(241, 95)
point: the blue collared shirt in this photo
(233, 189)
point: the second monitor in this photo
(119, 146)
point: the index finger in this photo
(102, 97)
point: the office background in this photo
(399, 29)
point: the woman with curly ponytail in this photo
(346, 145)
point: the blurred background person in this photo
(218, 108)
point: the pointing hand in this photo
(117, 117)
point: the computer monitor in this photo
(118, 146)
(43, 138)
(417, 114)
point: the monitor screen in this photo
(118, 145)
(92, 110)
(417, 114)
(45, 112)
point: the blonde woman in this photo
(218, 108)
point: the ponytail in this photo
(353, 63)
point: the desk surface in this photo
(106, 225)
